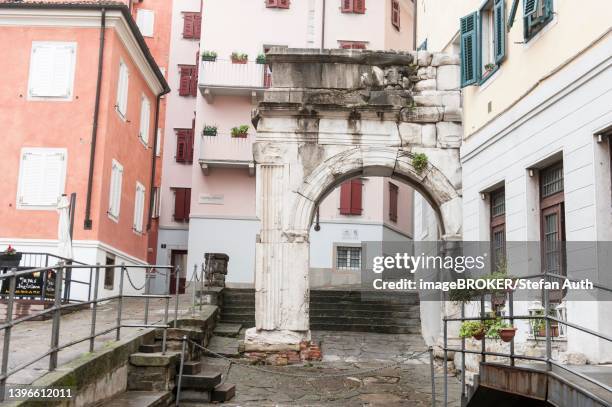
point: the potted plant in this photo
(239, 58)
(210, 56)
(10, 258)
(501, 330)
(475, 329)
(538, 326)
(261, 59)
(209, 130)
(488, 69)
(240, 131)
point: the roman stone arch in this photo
(330, 116)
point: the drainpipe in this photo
(94, 130)
(154, 160)
(323, 27)
(414, 25)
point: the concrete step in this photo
(374, 313)
(228, 330)
(223, 392)
(150, 348)
(385, 329)
(364, 321)
(200, 382)
(139, 399)
(192, 368)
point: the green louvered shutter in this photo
(469, 50)
(499, 27)
(512, 15)
(530, 7)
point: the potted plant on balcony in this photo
(10, 258)
(239, 58)
(209, 130)
(261, 59)
(240, 131)
(501, 330)
(475, 329)
(210, 56)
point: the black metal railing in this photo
(58, 273)
(512, 355)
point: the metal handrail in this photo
(58, 306)
(512, 355)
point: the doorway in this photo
(178, 258)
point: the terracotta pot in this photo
(554, 331)
(239, 61)
(506, 334)
(479, 335)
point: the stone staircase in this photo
(338, 310)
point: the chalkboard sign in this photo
(31, 285)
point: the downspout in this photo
(414, 25)
(94, 130)
(323, 27)
(154, 160)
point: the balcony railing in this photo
(223, 150)
(224, 76)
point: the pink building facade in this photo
(69, 136)
(222, 186)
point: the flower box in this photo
(10, 260)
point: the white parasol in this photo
(63, 228)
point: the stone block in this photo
(410, 133)
(153, 359)
(428, 99)
(428, 72)
(452, 114)
(441, 58)
(202, 381)
(452, 99)
(448, 77)
(424, 58)
(195, 396)
(449, 135)
(276, 96)
(422, 114)
(223, 392)
(427, 84)
(428, 135)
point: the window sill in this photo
(50, 207)
(138, 232)
(144, 143)
(121, 115)
(50, 98)
(113, 217)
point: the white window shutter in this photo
(122, 88)
(139, 207)
(62, 71)
(158, 143)
(145, 19)
(114, 199)
(52, 188)
(145, 118)
(32, 172)
(52, 69)
(42, 176)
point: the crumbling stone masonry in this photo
(332, 115)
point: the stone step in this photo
(386, 329)
(150, 348)
(364, 321)
(244, 321)
(200, 382)
(373, 313)
(229, 330)
(359, 300)
(192, 368)
(224, 346)
(139, 399)
(223, 392)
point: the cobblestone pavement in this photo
(32, 338)
(344, 353)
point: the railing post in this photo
(511, 312)
(147, 291)
(7, 333)
(548, 337)
(445, 362)
(90, 276)
(463, 392)
(165, 333)
(57, 313)
(483, 346)
(94, 308)
(120, 302)
(433, 376)
(177, 277)
(180, 377)
(201, 284)
(195, 287)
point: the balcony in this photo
(222, 77)
(225, 151)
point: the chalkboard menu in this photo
(31, 285)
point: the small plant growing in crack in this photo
(419, 162)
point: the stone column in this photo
(281, 274)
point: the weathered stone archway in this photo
(330, 116)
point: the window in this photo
(145, 19)
(109, 273)
(483, 47)
(277, 3)
(184, 145)
(188, 85)
(498, 227)
(395, 14)
(353, 6)
(42, 176)
(393, 197)
(139, 204)
(158, 145)
(122, 90)
(348, 257)
(350, 197)
(192, 25)
(145, 119)
(114, 200)
(52, 67)
(536, 14)
(182, 204)
(156, 202)
(352, 44)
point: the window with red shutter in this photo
(179, 204)
(393, 196)
(395, 13)
(188, 25)
(350, 197)
(347, 6)
(193, 83)
(187, 210)
(283, 4)
(185, 81)
(271, 3)
(359, 6)
(190, 141)
(352, 45)
(278, 3)
(182, 140)
(197, 26)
